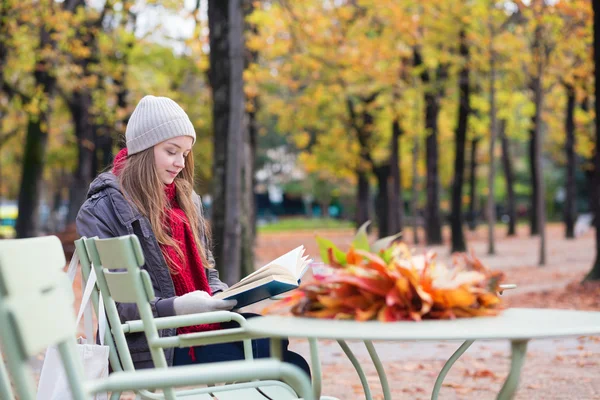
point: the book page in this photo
(302, 266)
(288, 261)
(261, 273)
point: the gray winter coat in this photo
(106, 213)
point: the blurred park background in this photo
(466, 125)
(433, 118)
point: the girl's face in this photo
(169, 157)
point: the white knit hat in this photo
(154, 120)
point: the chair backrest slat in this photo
(33, 285)
(37, 271)
(118, 253)
(124, 259)
(34, 314)
(119, 284)
(36, 310)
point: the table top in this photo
(512, 324)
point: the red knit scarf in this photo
(188, 273)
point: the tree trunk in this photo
(491, 201)
(248, 215)
(508, 174)
(433, 225)
(571, 193)
(33, 165)
(458, 238)
(252, 57)
(414, 201)
(473, 185)
(538, 98)
(363, 129)
(120, 81)
(383, 208)
(219, 82)
(396, 199)
(594, 273)
(533, 212)
(363, 198)
(86, 145)
(81, 107)
(104, 146)
(36, 141)
(226, 68)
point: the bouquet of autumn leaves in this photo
(385, 281)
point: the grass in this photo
(295, 224)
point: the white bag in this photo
(53, 383)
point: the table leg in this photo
(380, 370)
(315, 365)
(358, 368)
(447, 366)
(518, 353)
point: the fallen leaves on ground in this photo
(574, 295)
(480, 373)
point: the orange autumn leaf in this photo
(369, 313)
(453, 298)
(352, 258)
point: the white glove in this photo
(200, 302)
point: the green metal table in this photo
(518, 325)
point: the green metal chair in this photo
(36, 311)
(119, 355)
(116, 263)
(87, 252)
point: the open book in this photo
(278, 276)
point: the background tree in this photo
(39, 112)
(458, 238)
(594, 273)
(230, 132)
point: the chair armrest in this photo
(160, 378)
(204, 338)
(178, 321)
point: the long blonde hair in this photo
(140, 182)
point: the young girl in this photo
(149, 193)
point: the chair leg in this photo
(315, 364)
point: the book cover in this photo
(270, 286)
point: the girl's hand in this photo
(199, 302)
